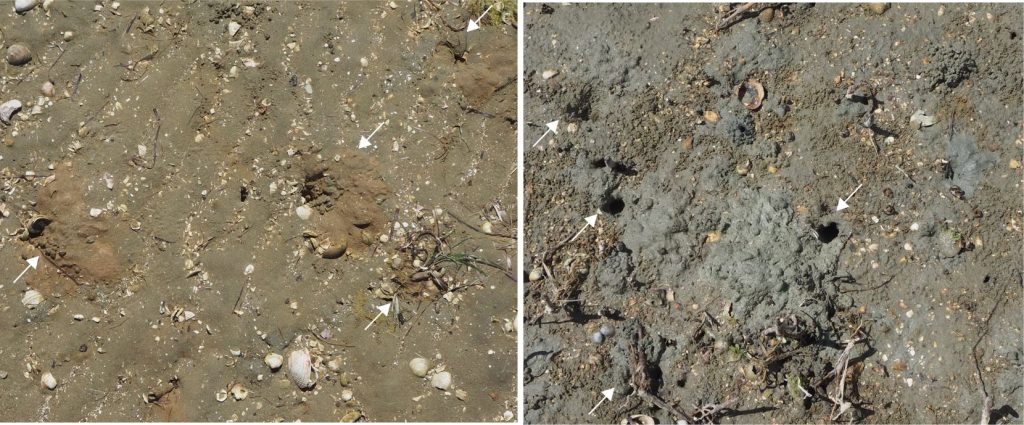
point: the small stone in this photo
(711, 116)
(441, 380)
(346, 394)
(8, 109)
(48, 381)
(78, 317)
(68, 35)
(233, 28)
(22, 6)
(607, 330)
(461, 395)
(766, 15)
(3, 374)
(536, 274)
(487, 227)
(597, 338)
(95, 212)
(364, 62)
(878, 8)
(419, 366)
(18, 54)
(743, 168)
(548, 73)
(47, 89)
(334, 364)
(304, 212)
(1014, 164)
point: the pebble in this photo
(304, 212)
(22, 6)
(419, 366)
(441, 380)
(743, 168)
(95, 212)
(334, 364)
(1014, 164)
(487, 227)
(548, 74)
(597, 337)
(364, 62)
(78, 317)
(18, 54)
(878, 8)
(607, 330)
(711, 116)
(536, 274)
(8, 109)
(233, 28)
(47, 89)
(48, 381)
(346, 395)
(767, 15)
(3, 374)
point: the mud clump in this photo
(85, 248)
(346, 196)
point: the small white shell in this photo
(441, 380)
(221, 395)
(303, 212)
(274, 361)
(346, 394)
(8, 109)
(334, 364)
(239, 392)
(419, 366)
(48, 381)
(300, 369)
(32, 298)
(487, 227)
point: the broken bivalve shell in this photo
(221, 395)
(300, 369)
(8, 109)
(274, 361)
(638, 420)
(239, 392)
(32, 298)
(757, 90)
(48, 381)
(441, 380)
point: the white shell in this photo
(300, 369)
(536, 274)
(48, 381)
(487, 227)
(419, 366)
(239, 392)
(303, 212)
(921, 118)
(8, 109)
(441, 380)
(32, 298)
(274, 361)
(221, 395)
(346, 394)
(22, 6)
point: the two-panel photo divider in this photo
(497, 211)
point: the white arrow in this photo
(608, 394)
(364, 142)
(591, 222)
(32, 264)
(472, 25)
(842, 205)
(552, 128)
(384, 309)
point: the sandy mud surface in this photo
(190, 177)
(720, 282)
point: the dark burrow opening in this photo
(613, 205)
(827, 232)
